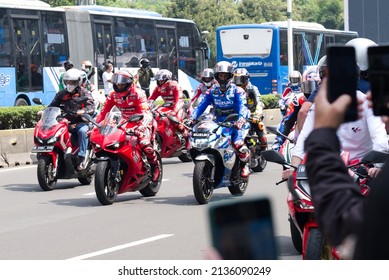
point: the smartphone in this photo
(342, 75)
(378, 73)
(242, 229)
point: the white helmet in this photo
(361, 45)
(72, 79)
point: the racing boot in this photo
(155, 170)
(244, 170)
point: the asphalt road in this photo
(70, 223)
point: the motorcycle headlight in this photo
(52, 140)
(113, 146)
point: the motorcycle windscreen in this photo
(111, 121)
(49, 117)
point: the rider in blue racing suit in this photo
(226, 98)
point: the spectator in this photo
(145, 73)
(343, 214)
(107, 75)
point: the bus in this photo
(35, 40)
(262, 49)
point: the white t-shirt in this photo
(108, 87)
(359, 137)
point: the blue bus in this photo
(262, 49)
(35, 40)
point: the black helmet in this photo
(144, 62)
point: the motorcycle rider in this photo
(170, 91)
(290, 104)
(321, 72)
(343, 214)
(227, 98)
(357, 137)
(88, 68)
(361, 45)
(68, 99)
(253, 96)
(207, 82)
(131, 100)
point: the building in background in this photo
(369, 18)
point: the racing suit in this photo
(255, 106)
(134, 101)
(233, 100)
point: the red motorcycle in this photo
(306, 235)
(170, 143)
(57, 150)
(121, 164)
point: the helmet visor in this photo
(121, 79)
(240, 80)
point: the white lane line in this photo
(120, 247)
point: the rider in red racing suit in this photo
(131, 100)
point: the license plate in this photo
(42, 149)
(200, 134)
(301, 173)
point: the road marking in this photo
(120, 247)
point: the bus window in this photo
(28, 54)
(167, 56)
(5, 40)
(283, 48)
(54, 39)
(187, 34)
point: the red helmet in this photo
(122, 77)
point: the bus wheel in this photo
(21, 102)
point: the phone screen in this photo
(243, 229)
(379, 79)
(343, 77)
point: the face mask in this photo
(70, 88)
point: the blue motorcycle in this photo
(216, 164)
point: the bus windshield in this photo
(246, 42)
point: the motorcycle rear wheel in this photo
(106, 187)
(315, 244)
(44, 171)
(261, 164)
(202, 185)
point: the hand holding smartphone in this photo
(378, 73)
(243, 229)
(342, 75)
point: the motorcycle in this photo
(306, 235)
(286, 147)
(121, 164)
(216, 164)
(56, 150)
(257, 162)
(169, 143)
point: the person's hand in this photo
(373, 171)
(80, 112)
(139, 131)
(287, 173)
(329, 115)
(189, 122)
(239, 123)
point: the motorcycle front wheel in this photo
(202, 181)
(44, 172)
(106, 187)
(152, 188)
(315, 244)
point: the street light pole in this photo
(290, 36)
